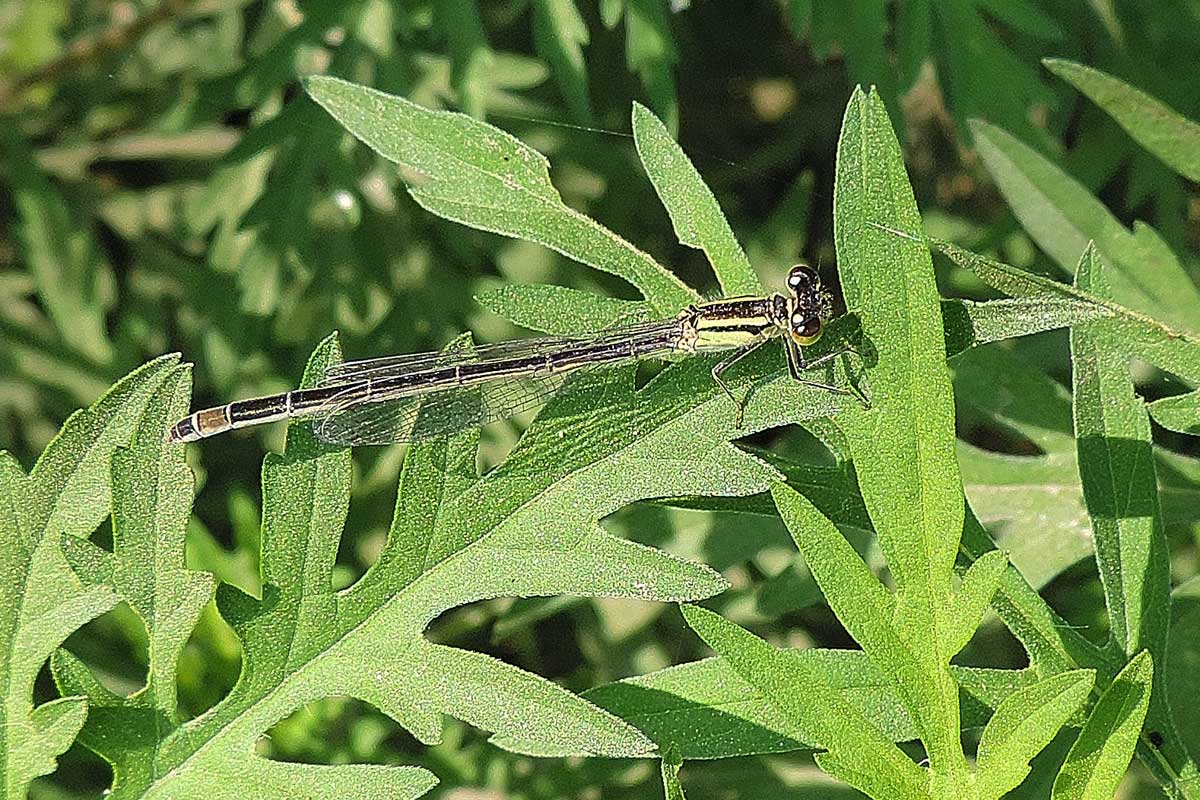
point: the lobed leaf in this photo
(473, 173)
(41, 600)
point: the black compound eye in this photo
(801, 278)
(806, 330)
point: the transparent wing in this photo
(412, 418)
(528, 371)
(349, 371)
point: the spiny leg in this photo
(728, 362)
(797, 364)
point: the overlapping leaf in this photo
(527, 528)
(1062, 217)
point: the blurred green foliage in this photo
(165, 185)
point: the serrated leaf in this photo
(1062, 217)
(473, 173)
(1022, 727)
(1152, 124)
(694, 212)
(41, 600)
(1098, 759)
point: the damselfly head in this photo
(802, 279)
(810, 304)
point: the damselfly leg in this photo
(798, 364)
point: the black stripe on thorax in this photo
(736, 309)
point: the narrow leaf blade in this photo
(1168, 135)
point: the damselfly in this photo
(413, 397)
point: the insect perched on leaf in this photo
(412, 397)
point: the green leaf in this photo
(857, 30)
(1120, 488)
(559, 34)
(527, 528)
(34, 35)
(41, 600)
(671, 764)
(152, 493)
(968, 49)
(856, 752)
(560, 310)
(694, 212)
(1062, 216)
(1022, 727)
(970, 324)
(1151, 123)
(473, 173)
(1180, 413)
(707, 711)
(1172, 349)
(651, 54)
(1098, 759)
(68, 267)
(970, 602)
(1032, 504)
(903, 446)
(471, 59)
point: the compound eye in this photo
(802, 278)
(806, 331)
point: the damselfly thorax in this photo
(418, 396)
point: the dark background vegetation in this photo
(166, 185)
